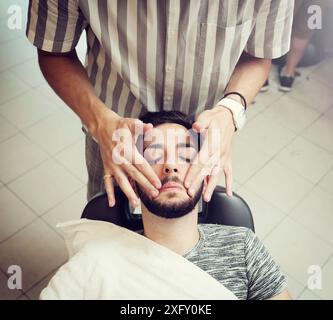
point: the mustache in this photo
(171, 179)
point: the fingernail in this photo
(187, 184)
(154, 193)
(134, 203)
(158, 184)
(191, 191)
(111, 203)
(207, 197)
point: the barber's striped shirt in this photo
(162, 55)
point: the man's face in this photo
(170, 149)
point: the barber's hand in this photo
(213, 160)
(121, 165)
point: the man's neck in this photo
(179, 235)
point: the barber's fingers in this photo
(147, 126)
(228, 178)
(121, 168)
(136, 127)
(210, 148)
(213, 180)
(199, 169)
(203, 121)
(137, 176)
(195, 170)
(108, 175)
(128, 153)
(110, 143)
(108, 185)
(147, 171)
(141, 164)
(125, 186)
(207, 170)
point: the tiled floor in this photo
(282, 163)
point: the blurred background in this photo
(282, 164)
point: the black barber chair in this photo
(221, 209)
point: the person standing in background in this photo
(302, 33)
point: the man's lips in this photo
(171, 185)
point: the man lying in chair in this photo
(233, 256)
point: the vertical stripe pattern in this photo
(170, 54)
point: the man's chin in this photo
(171, 197)
(172, 194)
(170, 203)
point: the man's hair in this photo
(161, 117)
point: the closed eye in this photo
(154, 161)
(153, 155)
(186, 154)
(188, 160)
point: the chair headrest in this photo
(221, 209)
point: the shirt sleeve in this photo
(271, 33)
(54, 25)
(264, 275)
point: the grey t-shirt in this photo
(235, 257)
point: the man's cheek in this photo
(158, 169)
(183, 171)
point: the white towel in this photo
(111, 262)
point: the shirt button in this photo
(168, 68)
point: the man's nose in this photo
(170, 169)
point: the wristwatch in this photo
(237, 110)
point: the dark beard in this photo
(170, 210)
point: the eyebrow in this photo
(185, 145)
(179, 145)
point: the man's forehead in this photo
(168, 133)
